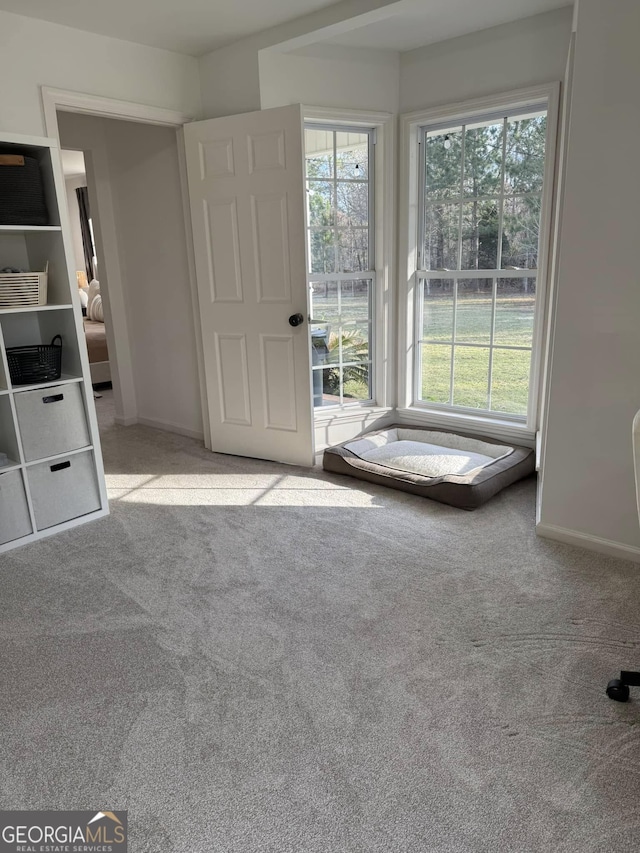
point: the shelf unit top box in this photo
(40, 150)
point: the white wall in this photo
(512, 56)
(331, 76)
(71, 184)
(594, 385)
(229, 80)
(36, 53)
(133, 178)
(230, 77)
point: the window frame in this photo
(382, 198)
(342, 278)
(545, 97)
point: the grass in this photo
(510, 371)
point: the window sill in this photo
(353, 413)
(492, 427)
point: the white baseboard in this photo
(590, 543)
(125, 421)
(167, 426)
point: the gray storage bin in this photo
(64, 489)
(52, 421)
(14, 512)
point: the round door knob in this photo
(296, 319)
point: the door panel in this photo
(223, 250)
(246, 187)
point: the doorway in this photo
(135, 196)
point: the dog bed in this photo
(458, 469)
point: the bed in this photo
(98, 353)
(454, 468)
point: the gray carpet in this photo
(254, 658)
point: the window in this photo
(477, 280)
(339, 183)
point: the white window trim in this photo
(545, 96)
(384, 232)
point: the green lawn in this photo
(510, 374)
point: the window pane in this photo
(352, 203)
(471, 377)
(442, 227)
(322, 251)
(443, 164)
(521, 232)
(320, 203)
(510, 381)
(321, 350)
(480, 233)
(437, 312)
(354, 249)
(356, 307)
(524, 164)
(515, 306)
(436, 373)
(326, 387)
(352, 153)
(318, 146)
(483, 159)
(355, 343)
(324, 301)
(356, 382)
(474, 311)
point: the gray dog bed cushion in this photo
(458, 469)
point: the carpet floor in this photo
(252, 658)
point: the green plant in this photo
(355, 358)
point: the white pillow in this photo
(95, 310)
(84, 296)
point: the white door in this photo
(246, 186)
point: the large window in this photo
(339, 165)
(480, 199)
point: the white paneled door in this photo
(246, 186)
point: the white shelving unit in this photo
(54, 477)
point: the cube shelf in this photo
(52, 477)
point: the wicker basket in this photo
(36, 363)
(23, 289)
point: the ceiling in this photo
(423, 22)
(195, 27)
(187, 26)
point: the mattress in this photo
(458, 469)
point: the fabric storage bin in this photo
(14, 512)
(22, 199)
(63, 489)
(52, 421)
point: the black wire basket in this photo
(38, 363)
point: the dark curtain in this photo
(83, 203)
